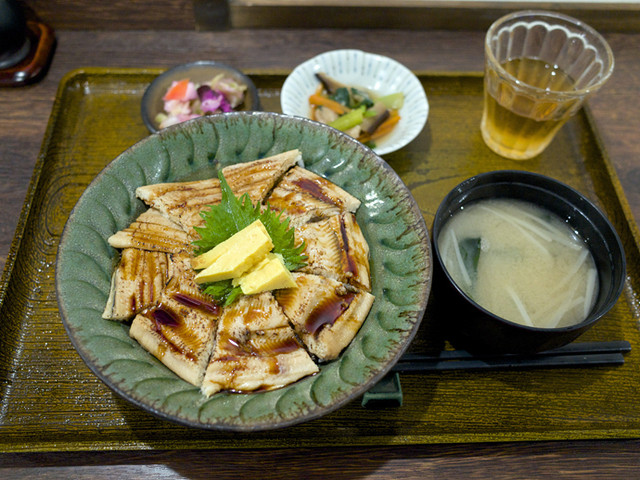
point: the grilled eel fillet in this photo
(256, 349)
(336, 248)
(325, 313)
(153, 231)
(183, 202)
(179, 330)
(304, 196)
(136, 283)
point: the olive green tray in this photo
(50, 401)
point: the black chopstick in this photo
(573, 355)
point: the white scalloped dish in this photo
(369, 71)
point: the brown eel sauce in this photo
(327, 312)
(165, 316)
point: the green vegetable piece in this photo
(470, 249)
(341, 95)
(360, 98)
(351, 97)
(349, 119)
(394, 101)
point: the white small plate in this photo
(374, 72)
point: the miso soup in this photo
(520, 262)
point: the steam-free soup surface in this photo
(520, 262)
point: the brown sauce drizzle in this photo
(196, 303)
(314, 189)
(233, 348)
(287, 345)
(162, 349)
(150, 265)
(327, 312)
(231, 369)
(351, 266)
(166, 317)
(133, 304)
(142, 264)
(274, 366)
(236, 348)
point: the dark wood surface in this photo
(22, 127)
(413, 14)
(116, 14)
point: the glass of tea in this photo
(539, 69)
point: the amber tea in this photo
(515, 125)
(539, 69)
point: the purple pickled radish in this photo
(212, 100)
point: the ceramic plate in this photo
(389, 217)
(374, 72)
(198, 72)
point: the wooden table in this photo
(25, 113)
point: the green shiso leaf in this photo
(231, 215)
(278, 228)
(224, 291)
(224, 220)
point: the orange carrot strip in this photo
(314, 108)
(327, 102)
(178, 91)
(394, 117)
(384, 128)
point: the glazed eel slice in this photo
(304, 196)
(336, 248)
(137, 283)
(152, 231)
(182, 202)
(325, 314)
(179, 331)
(256, 349)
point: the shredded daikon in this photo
(556, 235)
(524, 232)
(463, 269)
(574, 269)
(517, 221)
(566, 307)
(520, 306)
(590, 291)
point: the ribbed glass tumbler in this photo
(539, 69)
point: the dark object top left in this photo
(26, 46)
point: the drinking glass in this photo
(539, 69)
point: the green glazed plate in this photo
(401, 268)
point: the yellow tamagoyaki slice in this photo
(269, 274)
(234, 256)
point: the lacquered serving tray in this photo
(50, 401)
